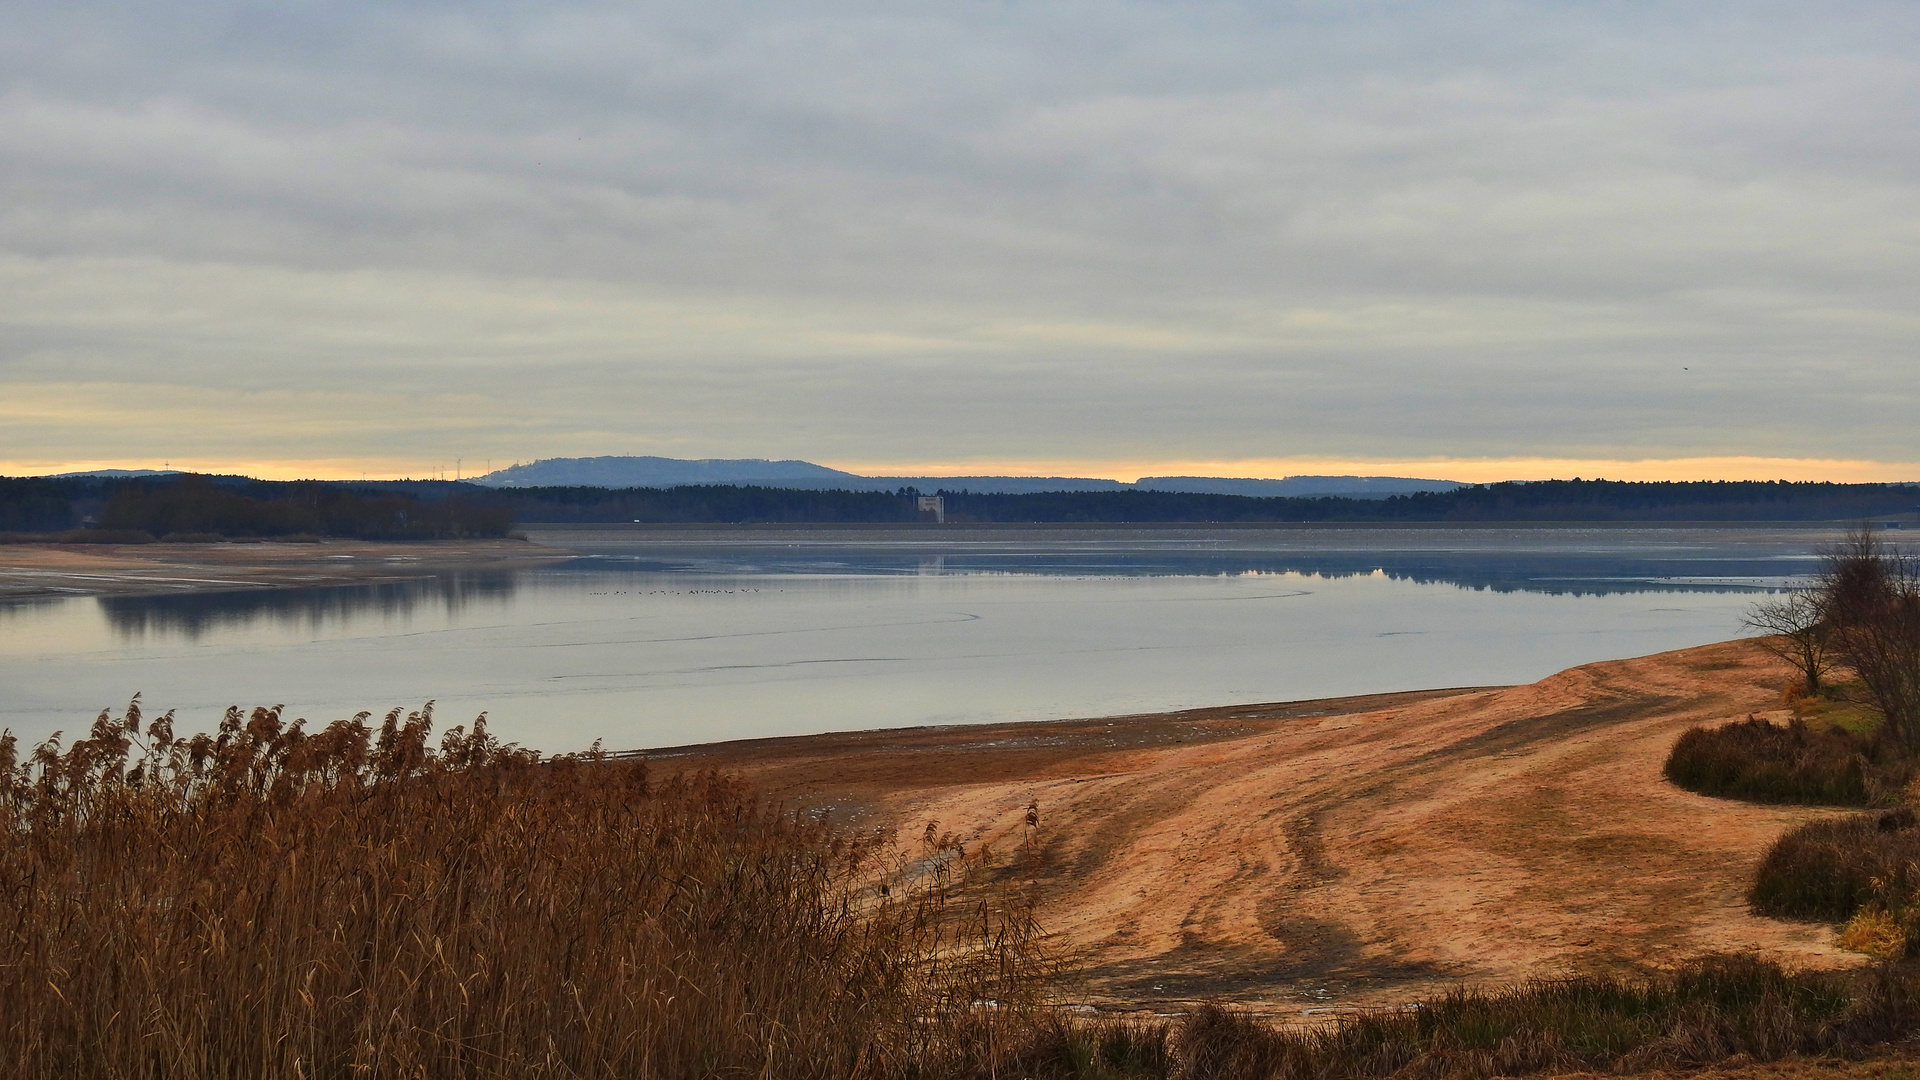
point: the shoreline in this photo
(1095, 526)
(1301, 858)
(784, 764)
(34, 572)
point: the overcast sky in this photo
(1085, 236)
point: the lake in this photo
(657, 637)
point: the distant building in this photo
(935, 505)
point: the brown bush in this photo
(1792, 763)
(1826, 871)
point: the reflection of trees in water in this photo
(1556, 573)
(192, 614)
(15, 606)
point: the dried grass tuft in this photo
(1873, 932)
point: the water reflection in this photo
(12, 607)
(191, 616)
(1572, 565)
(1555, 573)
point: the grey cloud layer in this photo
(1092, 229)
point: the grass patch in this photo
(1798, 762)
(1839, 704)
(1849, 716)
(1707, 1011)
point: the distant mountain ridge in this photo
(114, 474)
(625, 472)
(661, 472)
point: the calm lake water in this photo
(664, 637)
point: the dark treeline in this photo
(1555, 500)
(237, 506)
(193, 506)
(1615, 500)
(35, 505)
(702, 504)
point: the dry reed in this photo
(354, 902)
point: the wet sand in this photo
(46, 570)
(1361, 851)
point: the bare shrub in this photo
(1797, 631)
(1869, 596)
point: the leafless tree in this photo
(1796, 631)
(1869, 597)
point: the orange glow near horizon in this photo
(350, 469)
(1468, 470)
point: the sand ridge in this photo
(1321, 854)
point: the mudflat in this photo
(1309, 856)
(41, 570)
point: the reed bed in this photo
(263, 901)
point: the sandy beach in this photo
(48, 570)
(1308, 856)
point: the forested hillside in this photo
(189, 506)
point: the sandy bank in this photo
(42, 570)
(1315, 854)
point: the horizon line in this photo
(1462, 470)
